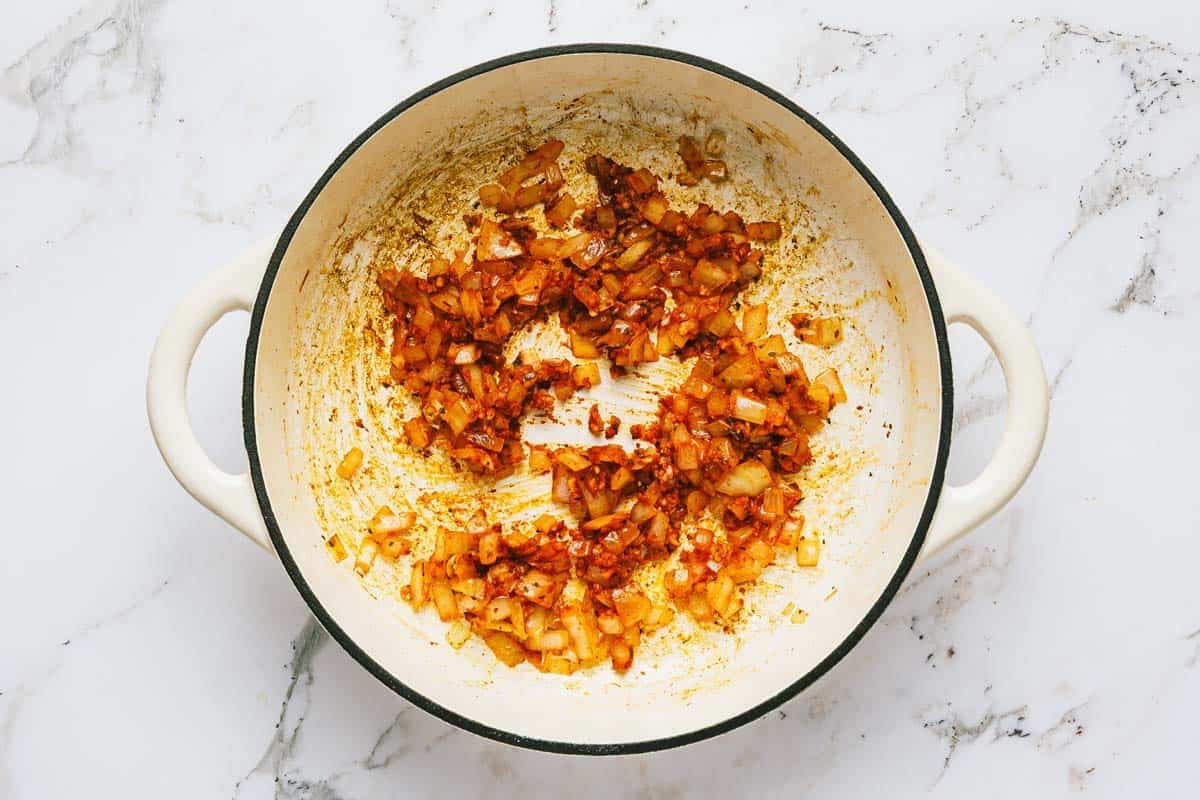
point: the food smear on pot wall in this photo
(431, 485)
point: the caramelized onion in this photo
(632, 280)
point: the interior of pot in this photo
(399, 198)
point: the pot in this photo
(313, 373)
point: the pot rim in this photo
(567, 747)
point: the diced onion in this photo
(572, 459)
(704, 490)
(489, 548)
(495, 243)
(714, 145)
(443, 601)
(417, 586)
(458, 417)
(507, 649)
(628, 260)
(581, 626)
(823, 331)
(808, 552)
(767, 231)
(749, 409)
(655, 209)
(754, 322)
(742, 372)
(458, 633)
(561, 212)
(550, 640)
(537, 587)
(748, 479)
(539, 461)
(350, 463)
(720, 595)
(367, 552)
(830, 380)
(336, 548)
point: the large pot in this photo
(879, 499)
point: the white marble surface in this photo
(148, 651)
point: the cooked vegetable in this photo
(507, 649)
(495, 243)
(586, 376)
(808, 552)
(394, 546)
(539, 460)
(832, 383)
(823, 331)
(696, 165)
(748, 479)
(336, 548)
(572, 459)
(386, 522)
(631, 280)
(561, 212)
(367, 551)
(418, 433)
(458, 633)
(350, 463)
(443, 600)
(749, 409)
(766, 231)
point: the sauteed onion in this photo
(705, 490)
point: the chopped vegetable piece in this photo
(745, 371)
(766, 231)
(749, 409)
(808, 552)
(386, 522)
(582, 347)
(458, 633)
(418, 433)
(367, 551)
(495, 243)
(823, 331)
(748, 479)
(561, 212)
(350, 463)
(754, 322)
(832, 383)
(336, 548)
(539, 461)
(507, 649)
(714, 145)
(572, 459)
(394, 546)
(443, 601)
(586, 376)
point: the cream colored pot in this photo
(397, 193)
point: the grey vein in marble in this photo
(275, 759)
(114, 36)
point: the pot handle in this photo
(230, 497)
(964, 300)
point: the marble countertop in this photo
(149, 651)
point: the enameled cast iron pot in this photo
(881, 511)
